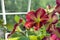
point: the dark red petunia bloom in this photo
(54, 37)
(36, 19)
(58, 29)
(57, 8)
(55, 33)
(53, 19)
(58, 2)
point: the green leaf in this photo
(1, 22)
(32, 37)
(16, 38)
(23, 22)
(9, 27)
(58, 24)
(17, 18)
(24, 38)
(18, 29)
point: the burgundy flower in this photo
(50, 28)
(58, 29)
(55, 33)
(29, 24)
(57, 8)
(58, 2)
(54, 37)
(36, 19)
(53, 19)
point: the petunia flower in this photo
(54, 37)
(53, 19)
(58, 2)
(57, 8)
(55, 33)
(36, 19)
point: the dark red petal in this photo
(58, 2)
(57, 9)
(55, 18)
(40, 12)
(28, 25)
(30, 16)
(58, 29)
(50, 28)
(44, 19)
(36, 28)
(20, 21)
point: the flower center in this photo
(50, 20)
(37, 20)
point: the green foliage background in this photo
(22, 5)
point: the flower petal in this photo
(57, 9)
(40, 12)
(58, 2)
(30, 16)
(28, 25)
(37, 26)
(55, 19)
(50, 28)
(53, 37)
(58, 29)
(44, 19)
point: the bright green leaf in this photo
(17, 18)
(18, 29)
(32, 37)
(16, 38)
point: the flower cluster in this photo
(36, 19)
(43, 17)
